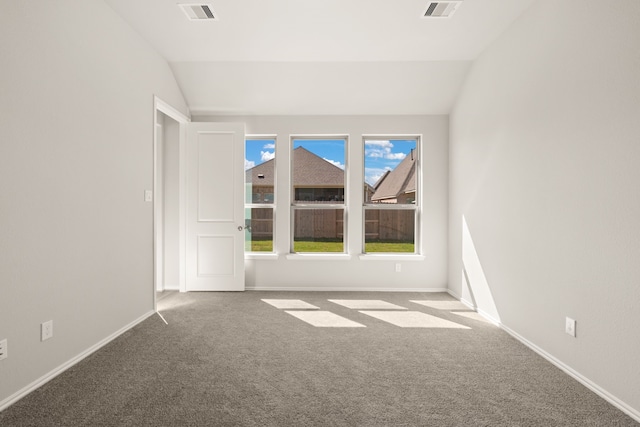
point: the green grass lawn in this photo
(333, 247)
(387, 247)
(304, 246)
(261, 246)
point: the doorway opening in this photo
(168, 215)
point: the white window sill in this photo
(265, 256)
(392, 257)
(319, 257)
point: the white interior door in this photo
(215, 207)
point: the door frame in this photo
(160, 106)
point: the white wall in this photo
(76, 154)
(285, 273)
(545, 147)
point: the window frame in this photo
(416, 206)
(264, 254)
(309, 206)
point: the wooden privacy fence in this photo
(397, 225)
(318, 224)
(389, 225)
(261, 224)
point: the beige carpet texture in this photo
(313, 359)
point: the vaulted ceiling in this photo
(320, 57)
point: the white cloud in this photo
(267, 155)
(248, 164)
(269, 146)
(371, 180)
(335, 163)
(372, 175)
(395, 156)
(377, 143)
(374, 153)
(381, 150)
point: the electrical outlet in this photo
(4, 350)
(570, 326)
(46, 330)
(398, 267)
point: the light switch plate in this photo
(148, 196)
(4, 350)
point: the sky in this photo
(383, 155)
(380, 155)
(258, 151)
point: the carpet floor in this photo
(232, 359)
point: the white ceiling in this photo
(264, 56)
(342, 88)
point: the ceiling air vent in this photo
(441, 9)
(198, 12)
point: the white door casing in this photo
(215, 207)
(161, 107)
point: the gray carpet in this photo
(231, 359)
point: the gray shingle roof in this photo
(401, 180)
(309, 170)
(264, 170)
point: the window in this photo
(391, 204)
(260, 184)
(318, 194)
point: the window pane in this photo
(259, 170)
(318, 170)
(259, 167)
(318, 230)
(390, 171)
(259, 238)
(389, 230)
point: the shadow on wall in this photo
(475, 288)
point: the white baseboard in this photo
(474, 308)
(68, 364)
(341, 289)
(453, 294)
(481, 312)
(633, 413)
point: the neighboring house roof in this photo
(309, 170)
(261, 175)
(381, 179)
(399, 181)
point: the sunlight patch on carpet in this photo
(290, 304)
(413, 319)
(366, 304)
(443, 305)
(471, 315)
(325, 319)
(172, 303)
